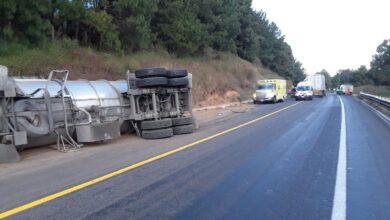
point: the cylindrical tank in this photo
(1, 118)
(37, 124)
(120, 85)
(83, 93)
(103, 99)
(3, 81)
(28, 86)
(3, 77)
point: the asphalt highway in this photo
(284, 164)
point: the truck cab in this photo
(304, 91)
(272, 90)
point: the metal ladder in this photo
(64, 143)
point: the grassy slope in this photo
(218, 78)
(375, 90)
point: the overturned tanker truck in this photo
(153, 102)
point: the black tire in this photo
(157, 134)
(151, 72)
(274, 100)
(182, 121)
(177, 73)
(178, 82)
(183, 129)
(151, 82)
(156, 124)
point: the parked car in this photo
(292, 92)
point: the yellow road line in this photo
(126, 169)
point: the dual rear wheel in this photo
(163, 128)
(154, 77)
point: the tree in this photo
(356, 77)
(25, 21)
(269, 42)
(183, 27)
(298, 73)
(380, 64)
(336, 80)
(247, 43)
(133, 18)
(104, 33)
(361, 76)
(220, 21)
(178, 28)
(67, 19)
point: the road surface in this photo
(284, 164)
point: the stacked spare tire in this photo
(171, 82)
(153, 102)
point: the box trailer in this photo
(346, 89)
(317, 82)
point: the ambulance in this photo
(304, 91)
(270, 90)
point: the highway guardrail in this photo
(377, 99)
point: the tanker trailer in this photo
(36, 112)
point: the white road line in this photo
(340, 193)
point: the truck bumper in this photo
(259, 100)
(303, 97)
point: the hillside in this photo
(218, 77)
(383, 91)
(199, 33)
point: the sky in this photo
(330, 34)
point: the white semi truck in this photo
(317, 81)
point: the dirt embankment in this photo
(217, 78)
(383, 91)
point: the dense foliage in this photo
(380, 64)
(183, 27)
(378, 74)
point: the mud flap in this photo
(8, 154)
